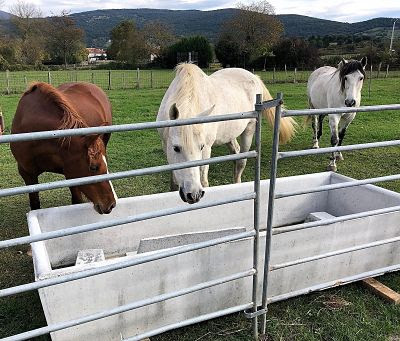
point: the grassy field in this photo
(346, 313)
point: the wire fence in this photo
(18, 81)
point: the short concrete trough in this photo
(94, 294)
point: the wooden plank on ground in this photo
(382, 290)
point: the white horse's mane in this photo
(189, 78)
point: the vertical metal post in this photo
(273, 75)
(295, 75)
(257, 205)
(387, 71)
(109, 80)
(92, 78)
(369, 81)
(8, 82)
(49, 77)
(271, 197)
(151, 79)
(138, 77)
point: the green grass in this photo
(310, 317)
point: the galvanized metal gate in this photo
(251, 308)
(255, 195)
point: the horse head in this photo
(351, 75)
(186, 143)
(86, 156)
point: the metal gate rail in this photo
(254, 233)
(276, 156)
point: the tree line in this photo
(252, 38)
(36, 40)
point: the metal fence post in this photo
(2, 124)
(369, 81)
(92, 78)
(8, 82)
(273, 75)
(271, 197)
(109, 80)
(49, 77)
(257, 206)
(138, 78)
(151, 79)
(295, 75)
(387, 71)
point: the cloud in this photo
(339, 10)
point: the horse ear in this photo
(89, 139)
(363, 62)
(207, 112)
(173, 112)
(342, 62)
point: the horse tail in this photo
(288, 125)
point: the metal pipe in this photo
(327, 111)
(54, 134)
(271, 196)
(278, 230)
(120, 221)
(121, 175)
(334, 253)
(338, 186)
(188, 322)
(127, 307)
(334, 283)
(257, 207)
(124, 264)
(305, 152)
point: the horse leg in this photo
(76, 195)
(31, 179)
(333, 124)
(320, 121)
(245, 143)
(315, 127)
(204, 169)
(234, 148)
(343, 124)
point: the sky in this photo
(339, 10)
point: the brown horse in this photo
(71, 105)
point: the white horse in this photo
(193, 94)
(330, 87)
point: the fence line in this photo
(18, 81)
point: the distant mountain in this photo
(98, 24)
(5, 15)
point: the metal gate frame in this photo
(272, 196)
(255, 195)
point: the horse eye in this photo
(94, 168)
(177, 149)
(361, 78)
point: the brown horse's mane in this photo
(71, 119)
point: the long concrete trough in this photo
(94, 294)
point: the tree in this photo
(66, 42)
(127, 43)
(197, 44)
(255, 29)
(227, 50)
(296, 52)
(158, 37)
(31, 31)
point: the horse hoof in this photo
(339, 157)
(332, 168)
(315, 146)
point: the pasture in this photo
(346, 313)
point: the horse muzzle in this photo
(350, 103)
(104, 210)
(191, 198)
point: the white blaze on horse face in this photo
(111, 185)
(353, 86)
(179, 150)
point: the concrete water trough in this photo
(94, 294)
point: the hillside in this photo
(98, 24)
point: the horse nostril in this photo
(189, 196)
(202, 194)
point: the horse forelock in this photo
(347, 69)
